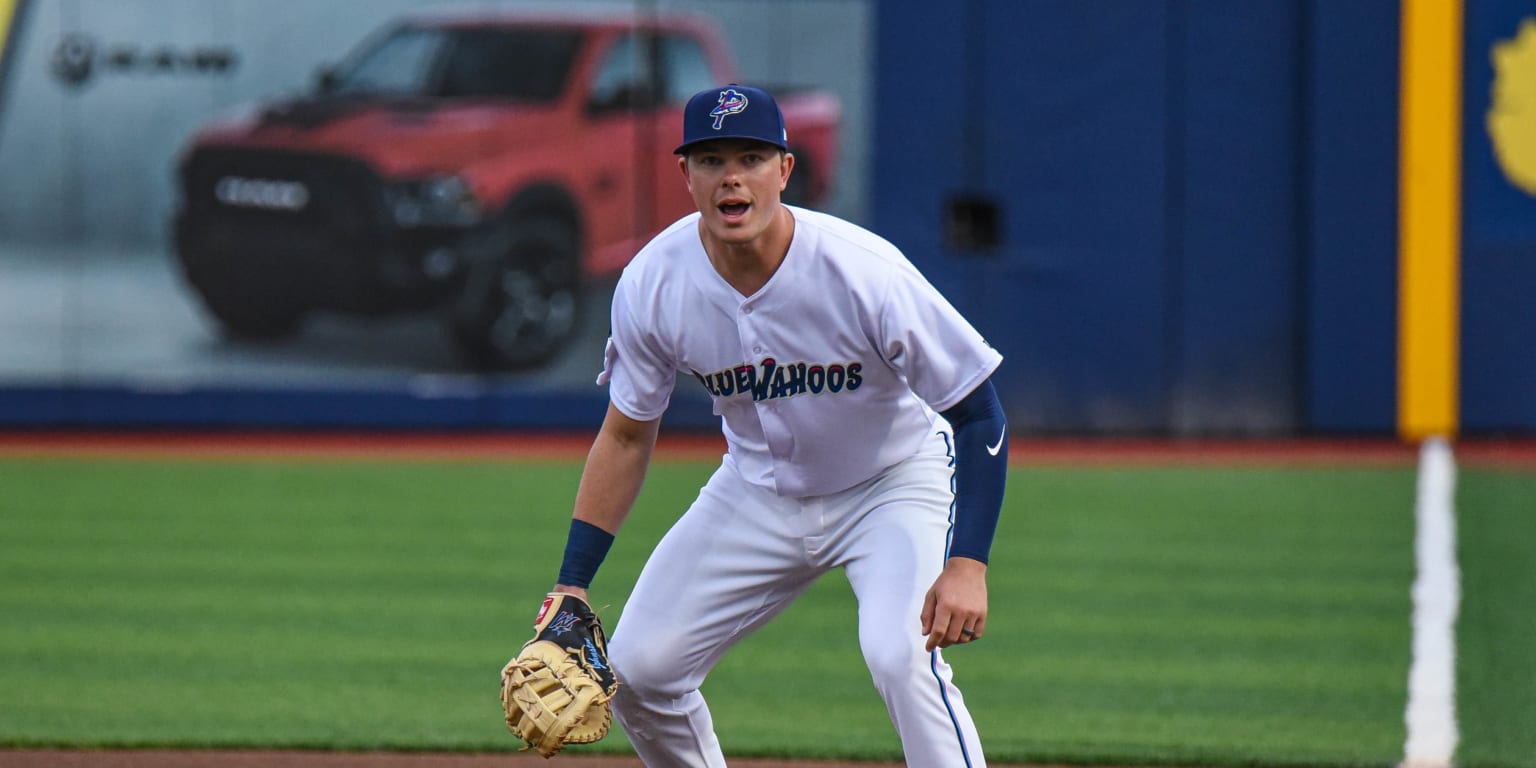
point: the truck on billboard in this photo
(485, 167)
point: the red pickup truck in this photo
(483, 167)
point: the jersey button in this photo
(748, 310)
(757, 350)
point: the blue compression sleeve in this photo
(585, 548)
(981, 470)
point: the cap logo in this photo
(731, 102)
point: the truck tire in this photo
(522, 303)
(251, 318)
(246, 307)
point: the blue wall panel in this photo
(106, 407)
(920, 141)
(1199, 202)
(1147, 161)
(1498, 258)
(1350, 228)
(1058, 112)
(1236, 212)
(1076, 127)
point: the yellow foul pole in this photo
(1429, 219)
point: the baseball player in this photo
(829, 359)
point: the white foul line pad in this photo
(1431, 712)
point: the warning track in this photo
(1519, 454)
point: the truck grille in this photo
(284, 190)
(310, 225)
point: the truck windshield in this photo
(515, 63)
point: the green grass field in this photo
(1174, 616)
(1496, 661)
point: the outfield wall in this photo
(1172, 218)
(1145, 164)
(1198, 206)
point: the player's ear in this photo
(682, 165)
(786, 167)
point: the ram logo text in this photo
(77, 57)
(268, 194)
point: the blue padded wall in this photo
(1350, 229)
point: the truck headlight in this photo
(435, 201)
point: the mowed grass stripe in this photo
(1207, 615)
(1496, 631)
(1222, 616)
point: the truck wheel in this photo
(253, 318)
(246, 307)
(523, 305)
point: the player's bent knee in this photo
(646, 669)
(892, 663)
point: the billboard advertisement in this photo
(427, 202)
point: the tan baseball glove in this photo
(556, 691)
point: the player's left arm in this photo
(955, 608)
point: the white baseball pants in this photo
(742, 554)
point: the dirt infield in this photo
(46, 758)
(159, 758)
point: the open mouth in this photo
(733, 210)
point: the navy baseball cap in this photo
(733, 112)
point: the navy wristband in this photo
(585, 548)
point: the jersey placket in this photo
(755, 348)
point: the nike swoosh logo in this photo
(993, 449)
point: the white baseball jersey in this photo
(831, 373)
